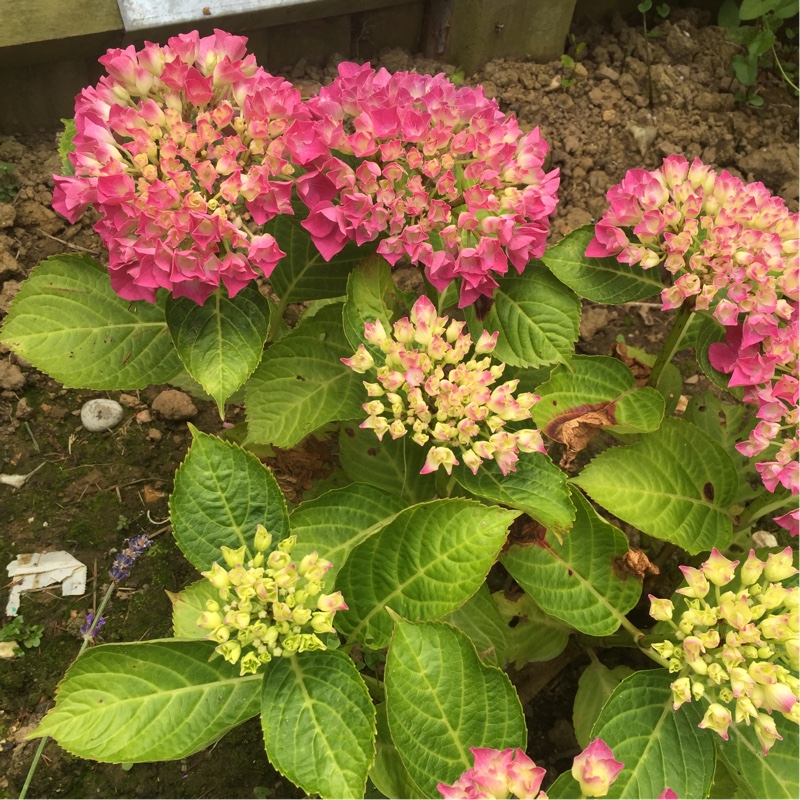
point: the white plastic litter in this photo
(31, 571)
(18, 481)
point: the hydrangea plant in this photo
(364, 625)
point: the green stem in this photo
(275, 319)
(780, 69)
(673, 342)
(761, 506)
(376, 688)
(84, 644)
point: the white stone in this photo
(100, 414)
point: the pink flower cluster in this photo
(497, 774)
(442, 393)
(734, 248)
(185, 152)
(439, 171)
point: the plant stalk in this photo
(673, 342)
(84, 644)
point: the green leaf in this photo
(705, 331)
(304, 274)
(600, 390)
(68, 322)
(371, 295)
(576, 581)
(746, 68)
(670, 382)
(148, 701)
(388, 773)
(595, 686)
(753, 9)
(536, 636)
(66, 145)
(757, 775)
(301, 383)
(481, 621)
(187, 606)
(424, 564)
(319, 723)
(339, 520)
(603, 280)
(537, 487)
(221, 494)
(537, 317)
(675, 484)
(441, 700)
(392, 465)
(728, 14)
(724, 786)
(658, 746)
(222, 341)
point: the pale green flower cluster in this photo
(269, 606)
(737, 643)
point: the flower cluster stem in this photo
(84, 644)
(673, 342)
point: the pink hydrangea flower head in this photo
(733, 250)
(596, 769)
(449, 182)
(497, 774)
(184, 150)
(433, 385)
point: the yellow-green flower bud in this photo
(233, 557)
(245, 592)
(308, 641)
(262, 540)
(209, 620)
(230, 651)
(321, 622)
(278, 559)
(716, 673)
(779, 566)
(660, 609)
(221, 634)
(249, 664)
(300, 616)
(258, 560)
(717, 718)
(237, 619)
(681, 692)
(286, 545)
(698, 690)
(212, 605)
(751, 569)
(217, 577)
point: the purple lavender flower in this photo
(125, 559)
(87, 626)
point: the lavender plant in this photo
(361, 627)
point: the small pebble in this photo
(143, 417)
(154, 434)
(100, 414)
(129, 401)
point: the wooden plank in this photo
(29, 21)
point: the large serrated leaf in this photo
(220, 342)
(757, 775)
(301, 383)
(148, 701)
(603, 280)
(339, 520)
(441, 700)
(575, 580)
(535, 636)
(481, 621)
(187, 606)
(221, 494)
(595, 686)
(388, 773)
(319, 723)
(392, 465)
(675, 484)
(537, 487)
(537, 317)
(304, 274)
(599, 386)
(68, 322)
(371, 295)
(659, 747)
(424, 564)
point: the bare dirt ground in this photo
(94, 490)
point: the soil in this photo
(94, 490)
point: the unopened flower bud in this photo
(232, 557)
(718, 569)
(596, 769)
(263, 540)
(751, 569)
(717, 718)
(779, 566)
